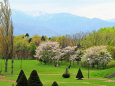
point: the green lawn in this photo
(43, 70)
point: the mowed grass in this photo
(49, 73)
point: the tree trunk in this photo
(73, 62)
(6, 63)
(12, 66)
(77, 62)
(93, 65)
(70, 62)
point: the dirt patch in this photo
(55, 74)
(7, 80)
(1, 75)
(110, 81)
(73, 82)
(95, 78)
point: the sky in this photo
(104, 9)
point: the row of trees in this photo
(26, 45)
(49, 52)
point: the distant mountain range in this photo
(55, 24)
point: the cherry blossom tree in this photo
(98, 55)
(51, 51)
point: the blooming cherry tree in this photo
(98, 55)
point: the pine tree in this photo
(34, 79)
(79, 74)
(20, 74)
(22, 81)
(54, 83)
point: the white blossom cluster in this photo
(54, 48)
(97, 55)
(46, 46)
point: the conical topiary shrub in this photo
(79, 74)
(34, 79)
(54, 83)
(66, 74)
(20, 74)
(22, 81)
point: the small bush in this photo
(66, 74)
(111, 64)
(54, 83)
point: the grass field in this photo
(49, 73)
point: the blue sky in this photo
(104, 9)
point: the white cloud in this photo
(103, 10)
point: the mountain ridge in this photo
(55, 24)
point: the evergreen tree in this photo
(22, 81)
(34, 79)
(54, 83)
(20, 74)
(30, 39)
(79, 74)
(27, 35)
(43, 38)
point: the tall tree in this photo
(6, 33)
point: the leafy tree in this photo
(44, 38)
(32, 49)
(6, 31)
(47, 51)
(36, 40)
(111, 49)
(79, 74)
(34, 79)
(54, 83)
(22, 81)
(64, 41)
(98, 56)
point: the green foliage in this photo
(54, 83)
(64, 41)
(32, 49)
(20, 74)
(34, 79)
(111, 49)
(79, 74)
(22, 81)
(111, 64)
(104, 36)
(36, 40)
(66, 74)
(44, 38)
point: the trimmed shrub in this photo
(79, 74)
(54, 83)
(20, 74)
(66, 74)
(34, 79)
(22, 81)
(111, 64)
